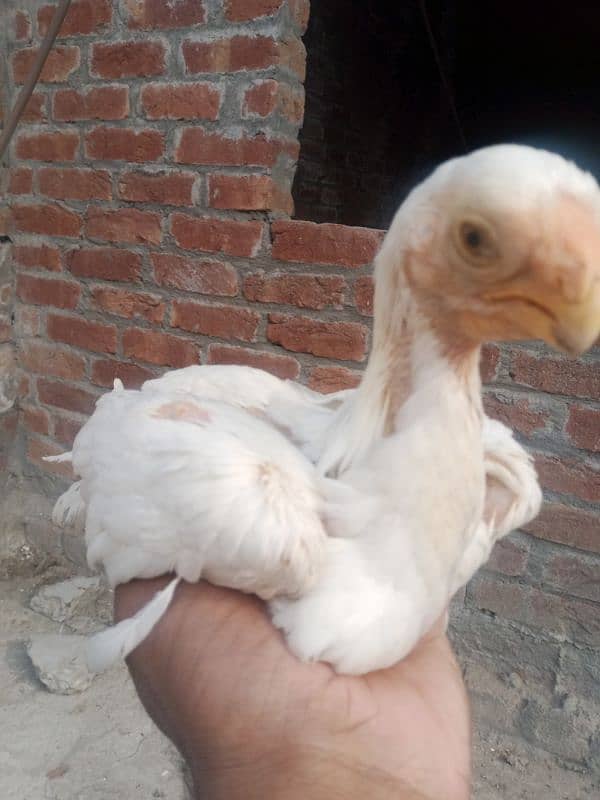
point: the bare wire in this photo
(34, 74)
(443, 76)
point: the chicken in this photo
(356, 515)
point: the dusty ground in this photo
(96, 745)
(99, 744)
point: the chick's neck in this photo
(416, 350)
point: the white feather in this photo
(173, 483)
(69, 510)
(59, 459)
(111, 645)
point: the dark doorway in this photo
(379, 115)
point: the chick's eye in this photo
(472, 238)
(477, 241)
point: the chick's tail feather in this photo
(113, 644)
(60, 459)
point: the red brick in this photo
(248, 193)
(574, 574)
(75, 184)
(102, 102)
(133, 376)
(47, 219)
(37, 449)
(37, 256)
(159, 348)
(509, 558)
(490, 359)
(333, 379)
(181, 101)
(23, 385)
(583, 427)
(217, 235)
(22, 26)
(35, 110)
(261, 98)
(48, 291)
(128, 304)
(28, 321)
(243, 10)
(146, 14)
(284, 367)
(36, 420)
(568, 525)
(48, 146)
(303, 291)
(231, 55)
(556, 375)
(105, 262)
(289, 103)
(199, 147)
(310, 243)
(569, 477)
(562, 617)
(82, 333)
(53, 393)
(46, 359)
(346, 341)
(364, 295)
(300, 12)
(66, 429)
(292, 56)
(166, 188)
(6, 221)
(83, 17)
(225, 322)
(124, 144)
(6, 331)
(6, 327)
(59, 66)
(127, 225)
(20, 180)
(194, 275)
(516, 414)
(132, 59)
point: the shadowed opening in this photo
(379, 115)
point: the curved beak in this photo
(560, 306)
(566, 273)
(577, 326)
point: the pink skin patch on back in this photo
(183, 411)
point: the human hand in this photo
(253, 722)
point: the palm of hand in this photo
(218, 679)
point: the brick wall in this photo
(8, 410)
(149, 196)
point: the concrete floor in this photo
(96, 745)
(100, 744)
